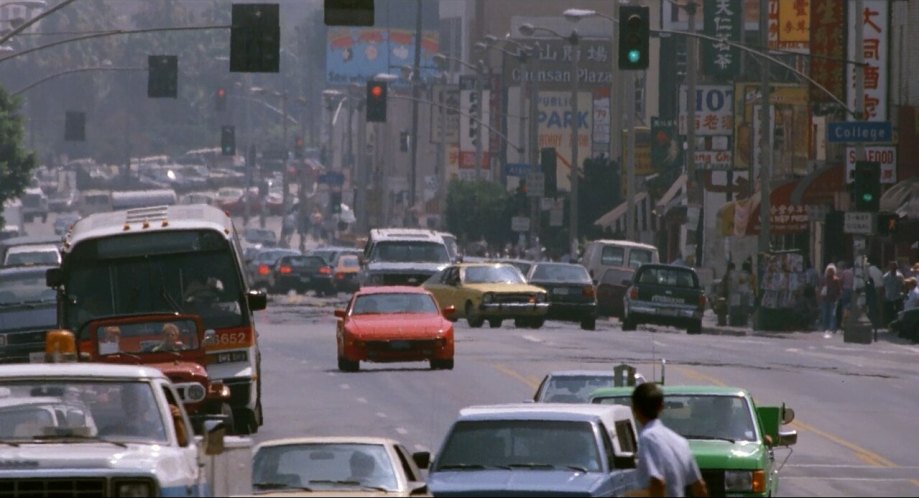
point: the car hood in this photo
(512, 288)
(50, 456)
(328, 492)
(402, 325)
(181, 371)
(514, 482)
(714, 454)
(385, 266)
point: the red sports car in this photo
(394, 324)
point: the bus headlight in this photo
(132, 489)
(194, 393)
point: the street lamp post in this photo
(528, 30)
(441, 60)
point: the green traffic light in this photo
(867, 197)
(634, 56)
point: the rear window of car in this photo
(671, 277)
(561, 273)
(612, 256)
(304, 261)
(638, 257)
(348, 261)
(33, 258)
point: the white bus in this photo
(183, 258)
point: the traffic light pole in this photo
(575, 163)
(478, 131)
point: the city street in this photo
(849, 445)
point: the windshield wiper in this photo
(170, 300)
(575, 468)
(349, 483)
(76, 438)
(716, 438)
(471, 466)
(279, 485)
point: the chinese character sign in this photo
(827, 44)
(794, 25)
(722, 21)
(714, 110)
(873, 20)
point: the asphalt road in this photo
(855, 403)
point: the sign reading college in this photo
(859, 131)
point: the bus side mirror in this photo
(54, 277)
(258, 300)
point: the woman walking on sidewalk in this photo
(830, 290)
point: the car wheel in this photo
(244, 422)
(537, 323)
(589, 323)
(346, 365)
(494, 323)
(695, 328)
(229, 420)
(442, 364)
(471, 318)
(520, 323)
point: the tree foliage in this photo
(479, 210)
(16, 164)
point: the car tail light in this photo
(325, 270)
(633, 293)
(702, 302)
(285, 269)
(340, 276)
(263, 270)
(588, 291)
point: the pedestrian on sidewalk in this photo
(830, 290)
(892, 290)
(847, 280)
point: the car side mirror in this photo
(626, 461)
(422, 459)
(54, 277)
(210, 337)
(214, 433)
(257, 299)
(788, 438)
(340, 313)
(788, 414)
(449, 311)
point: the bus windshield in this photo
(204, 283)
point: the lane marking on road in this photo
(517, 375)
(421, 447)
(792, 350)
(381, 415)
(362, 400)
(531, 338)
(402, 430)
(862, 454)
(345, 386)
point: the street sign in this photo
(536, 185)
(859, 131)
(858, 223)
(520, 224)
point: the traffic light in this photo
(887, 223)
(867, 186)
(75, 126)
(376, 101)
(348, 12)
(221, 96)
(228, 140)
(549, 163)
(255, 38)
(634, 31)
(474, 118)
(162, 76)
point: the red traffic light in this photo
(376, 91)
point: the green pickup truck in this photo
(732, 439)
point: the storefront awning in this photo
(614, 220)
(902, 198)
(819, 187)
(673, 196)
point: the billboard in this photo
(355, 55)
(790, 127)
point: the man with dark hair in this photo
(666, 466)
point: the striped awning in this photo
(614, 220)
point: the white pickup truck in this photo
(88, 429)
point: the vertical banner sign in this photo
(874, 23)
(666, 150)
(469, 123)
(827, 42)
(601, 129)
(722, 21)
(794, 25)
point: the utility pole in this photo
(575, 166)
(363, 168)
(415, 87)
(856, 314)
(628, 100)
(442, 146)
(478, 138)
(765, 144)
(696, 196)
(250, 167)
